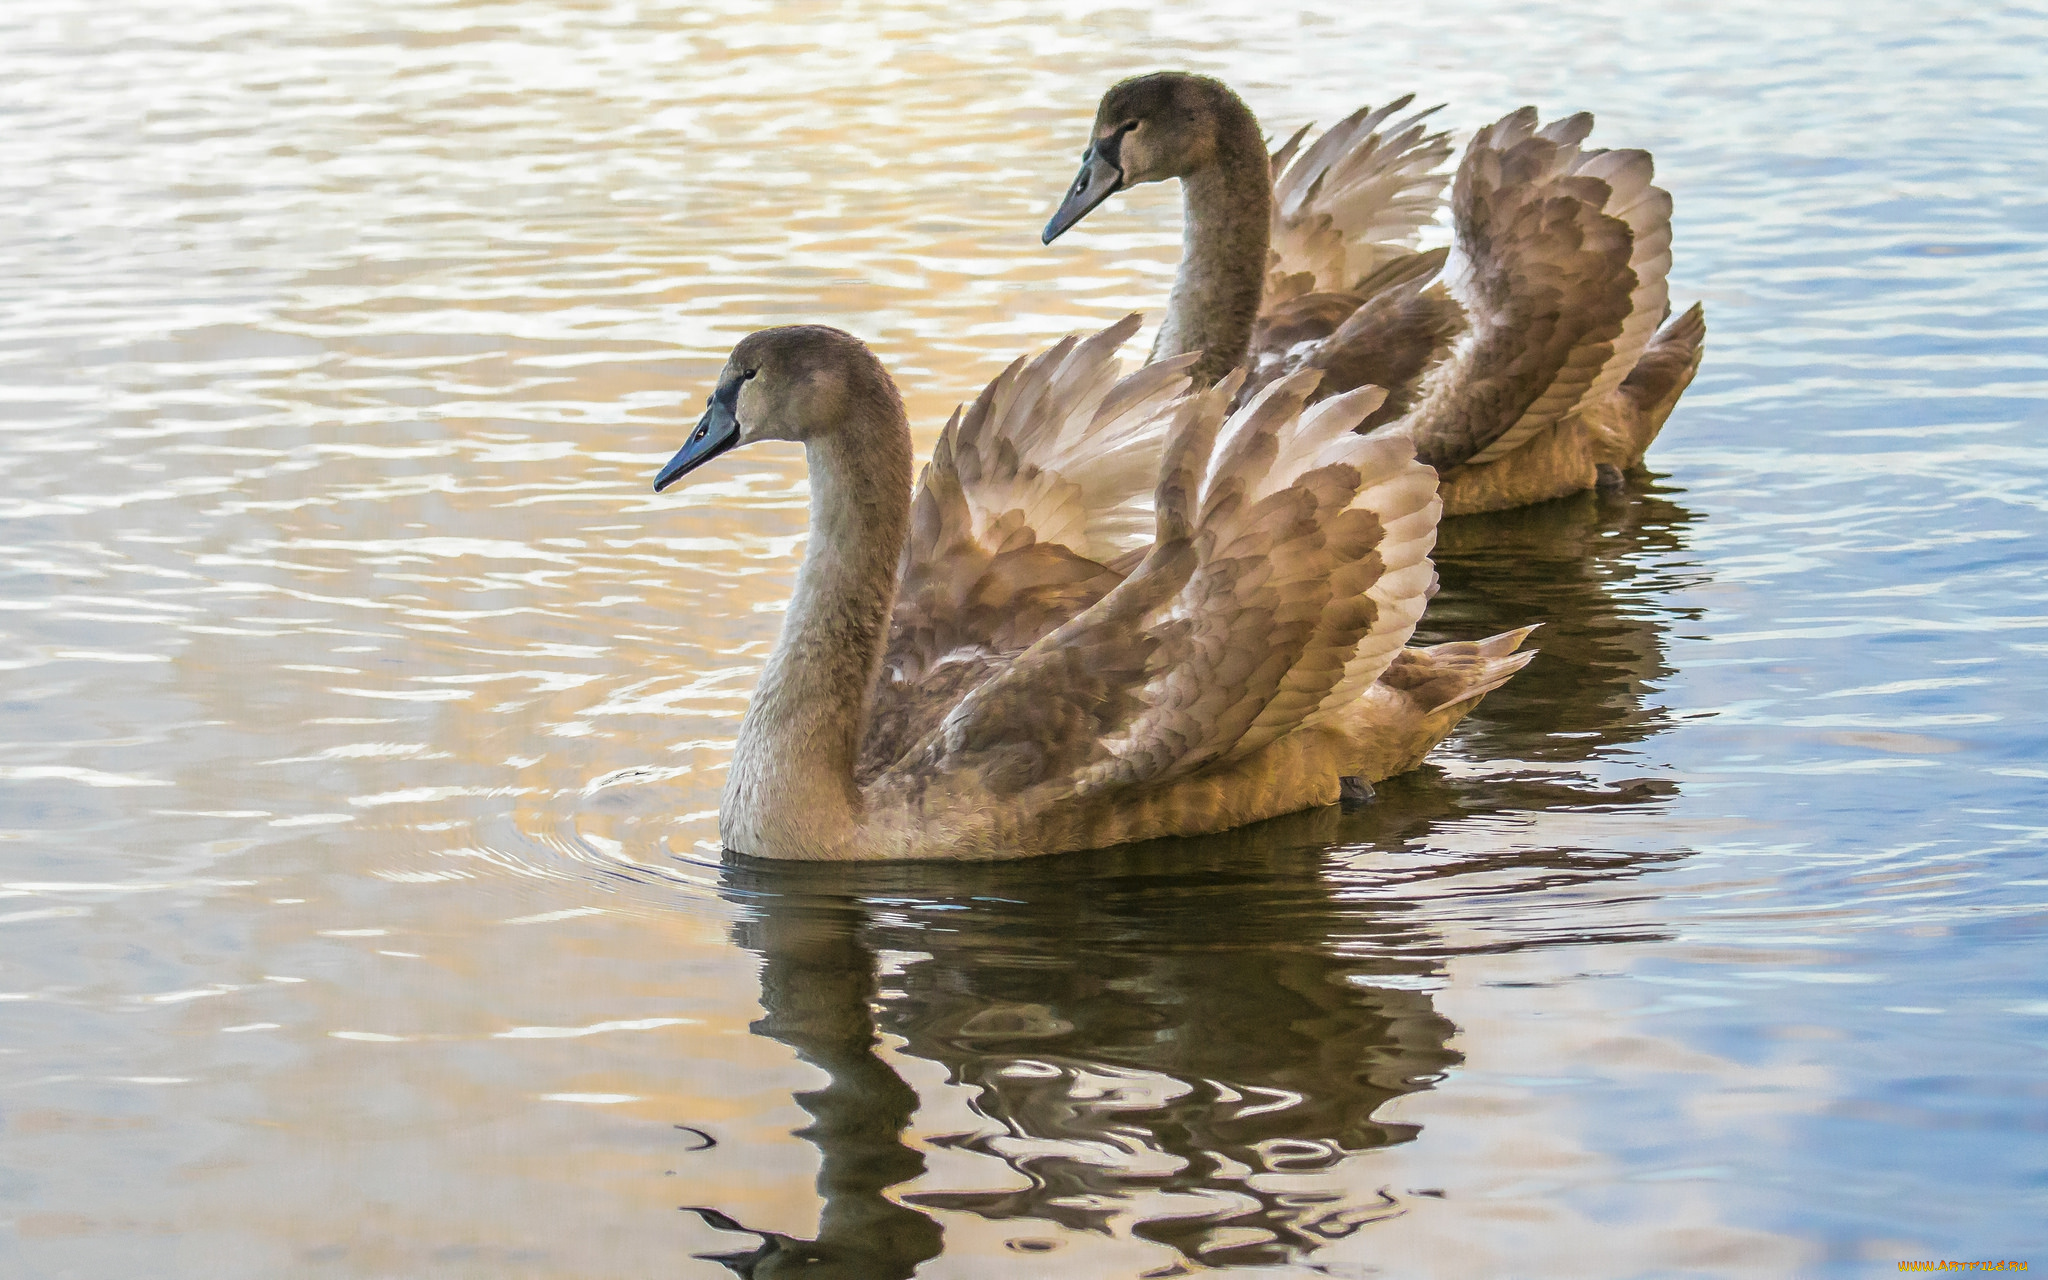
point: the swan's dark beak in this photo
(717, 431)
(1099, 179)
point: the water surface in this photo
(362, 714)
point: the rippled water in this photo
(363, 714)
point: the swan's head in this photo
(1149, 128)
(797, 382)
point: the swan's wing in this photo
(1240, 621)
(1375, 599)
(1388, 332)
(1646, 209)
(1354, 199)
(1545, 238)
(1027, 493)
(1061, 445)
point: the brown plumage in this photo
(1385, 331)
(1112, 609)
(1506, 357)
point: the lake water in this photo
(362, 713)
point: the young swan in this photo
(1022, 659)
(1525, 362)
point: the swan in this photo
(1526, 360)
(1113, 608)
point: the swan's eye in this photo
(748, 374)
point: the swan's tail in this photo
(1461, 672)
(1423, 695)
(1663, 373)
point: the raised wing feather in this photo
(1552, 291)
(1542, 269)
(1353, 200)
(1028, 491)
(1647, 211)
(1060, 445)
(1380, 585)
(1401, 493)
(1387, 332)
(1239, 623)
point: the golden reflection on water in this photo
(367, 714)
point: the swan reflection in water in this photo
(1174, 1040)
(1598, 570)
(1149, 1032)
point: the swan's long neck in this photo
(1228, 205)
(791, 792)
